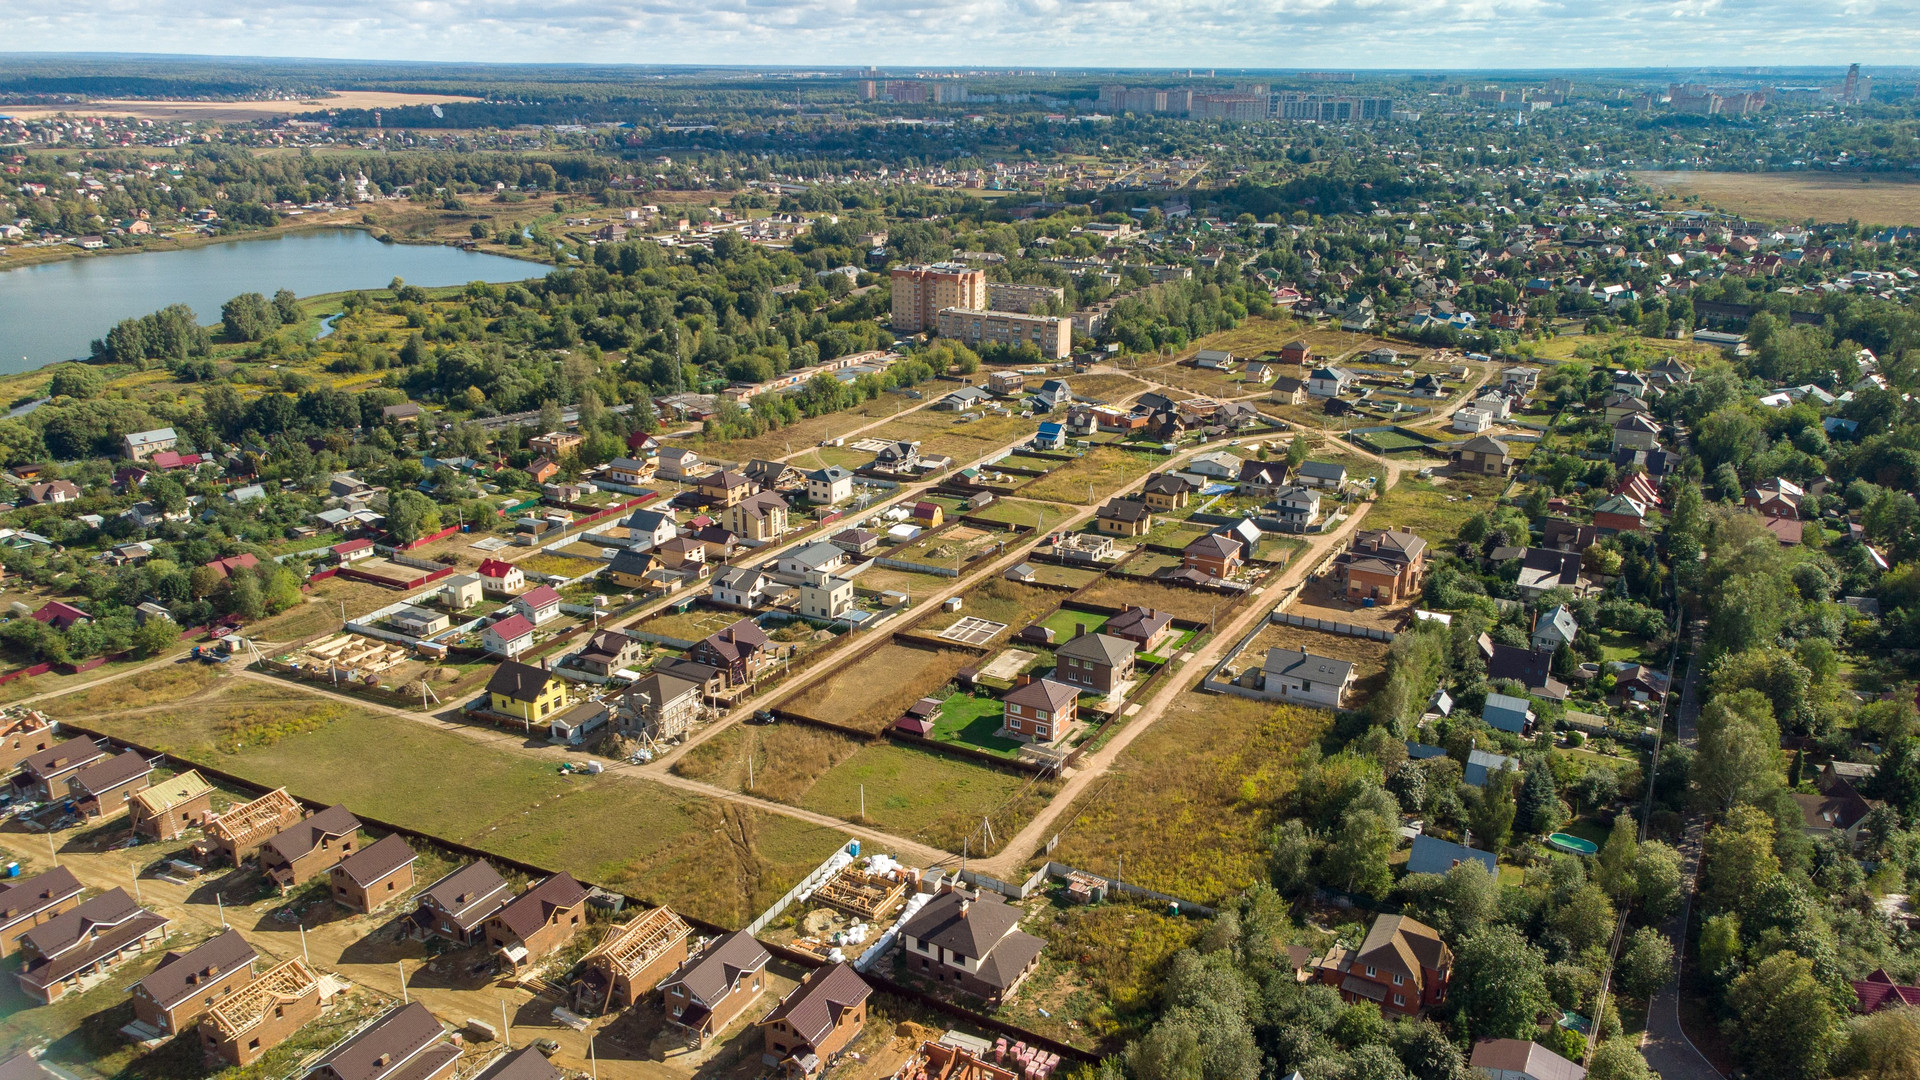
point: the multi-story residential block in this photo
(1052, 336)
(920, 292)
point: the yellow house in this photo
(525, 691)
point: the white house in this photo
(824, 596)
(1556, 628)
(1472, 421)
(829, 486)
(540, 604)
(509, 637)
(740, 587)
(1329, 381)
(1290, 675)
(1218, 465)
(651, 528)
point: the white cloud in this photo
(1045, 33)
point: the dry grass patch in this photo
(1369, 658)
(1092, 477)
(155, 686)
(1794, 197)
(1189, 804)
(997, 599)
(1175, 601)
(1106, 386)
(872, 692)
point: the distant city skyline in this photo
(1390, 34)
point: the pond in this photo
(51, 312)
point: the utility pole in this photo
(506, 1031)
(133, 868)
(304, 958)
(404, 998)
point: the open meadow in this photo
(872, 692)
(1088, 479)
(1798, 196)
(1187, 806)
(714, 861)
(911, 792)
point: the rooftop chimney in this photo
(1079, 630)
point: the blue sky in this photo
(1038, 33)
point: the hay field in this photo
(1797, 196)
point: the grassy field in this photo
(973, 721)
(1075, 577)
(997, 599)
(714, 861)
(1107, 386)
(1798, 196)
(1434, 510)
(1040, 516)
(798, 436)
(917, 586)
(871, 693)
(1063, 622)
(1098, 981)
(926, 796)
(1189, 803)
(947, 433)
(1104, 468)
(155, 686)
(1178, 602)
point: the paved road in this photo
(1667, 1047)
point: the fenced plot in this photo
(870, 694)
(971, 630)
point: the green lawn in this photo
(1170, 647)
(1092, 477)
(1063, 623)
(643, 839)
(928, 796)
(1173, 533)
(1619, 645)
(972, 721)
(1038, 515)
(1071, 576)
(1278, 548)
(1435, 511)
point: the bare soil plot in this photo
(1369, 658)
(1189, 804)
(1178, 602)
(1092, 477)
(1323, 598)
(873, 692)
(1797, 196)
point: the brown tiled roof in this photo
(377, 860)
(1528, 1058)
(180, 975)
(407, 1042)
(38, 893)
(527, 913)
(521, 682)
(112, 773)
(1043, 693)
(303, 836)
(61, 756)
(813, 1007)
(709, 976)
(526, 1063)
(470, 894)
(1100, 648)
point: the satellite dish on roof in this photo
(437, 112)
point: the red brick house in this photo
(1402, 966)
(405, 1044)
(239, 1030)
(186, 985)
(457, 906)
(28, 902)
(973, 942)
(102, 790)
(715, 987)
(376, 874)
(538, 921)
(306, 849)
(1039, 710)
(1145, 628)
(1094, 663)
(23, 734)
(1215, 555)
(64, 953)
(630, 961)
(1384, 565)
(817, 1020)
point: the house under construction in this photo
(633, 959)
(239, 1029)
(238, 834)
(938, 1061)
(860, 894)
(347, 658)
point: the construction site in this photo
(238, 1030)
(238, 834)
(355, 661)
(863, 895)
(849, 910)
(633, 958)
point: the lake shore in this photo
(17, 257)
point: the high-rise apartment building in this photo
(919, 292)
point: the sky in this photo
(1338, 34)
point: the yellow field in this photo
(235, 110)
(1796, 197)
